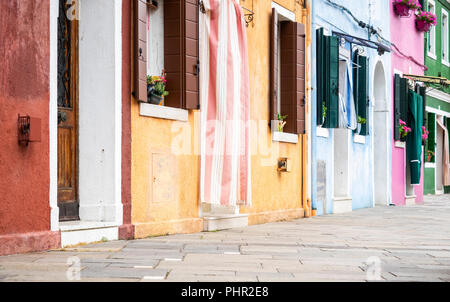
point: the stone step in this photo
(224, 221)
(214, 209)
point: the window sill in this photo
(431, 55)
(430, 165)
(359, 139)
(399, 144)
(446, 63)
(163, 112)
(322, 132)
(284, 137)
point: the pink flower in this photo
(402, 122)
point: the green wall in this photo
(436, 66)
(429, 183)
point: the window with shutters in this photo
(166, 41)
(444, 33)
(327, 80)
(431, 34)
(400, 104)
(361, 89)
(287, 73)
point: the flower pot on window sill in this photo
(401, 10)
(156, 99)
(423, 26)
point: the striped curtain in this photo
(224, 97)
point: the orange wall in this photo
(171, 204)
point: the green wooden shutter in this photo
(319, 75)
(363, 93)
(404, 100)
(423, 93)
(397, 109)
(432, 130)
(332, 81)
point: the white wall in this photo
(100, 76)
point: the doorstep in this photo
(224, 221)
(83, 232)
(410, 200)
(342, 205)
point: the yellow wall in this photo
(170, 205)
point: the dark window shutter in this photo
(273, 66)
(397, 109)
(423, 93)
(331, 80)
(140, 55)
(319, 75)
(404, 99)
(181, 53)
(432, 130)
(363, 93)
(191, 56)
(292, 75)
(300, 78)
(400, 103)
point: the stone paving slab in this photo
(405, 243)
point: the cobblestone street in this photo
(391, 243)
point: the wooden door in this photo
(67, 115)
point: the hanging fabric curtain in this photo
(445, 155)
(414, 139)
(225, 104)
(347, 114)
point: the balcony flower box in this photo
(402, 7)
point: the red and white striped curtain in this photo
(225, 104)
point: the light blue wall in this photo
(377, 13)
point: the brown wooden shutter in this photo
(181, 53)
(192, 100)
(273, 66)
(292, 71)
(140, 49)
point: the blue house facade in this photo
(350, 113)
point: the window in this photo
(432, 33)
(287, 69)
(400, 103)
(166, 37)
(445, 37)
(361, 89)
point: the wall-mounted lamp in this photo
(29, 129)
(284, 165)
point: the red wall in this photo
(24, 89)
(127, 230)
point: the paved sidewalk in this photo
(386, 243)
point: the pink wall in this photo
(411, 42)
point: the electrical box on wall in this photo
(284, 164)
(29, 129)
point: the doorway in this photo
(439, 157)
(380, 137)
(67, 87)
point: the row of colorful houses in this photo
(128, 119)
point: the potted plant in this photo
(324, 112)
(430, 156)
(280, 122)
(361, 121)
(424, 21)
(402, 7)
(156, 89)
(404, 130)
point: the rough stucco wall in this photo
(435, 66)
(360, 155)
(274, 195)
(399, 28)
(127, 231)
(271, 190)
(24, 89)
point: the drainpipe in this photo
(306, 159)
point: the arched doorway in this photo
(380, 137)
